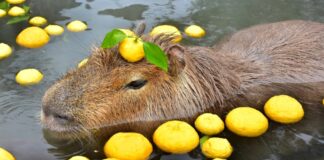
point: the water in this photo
(20, 130)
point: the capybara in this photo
(245, 68)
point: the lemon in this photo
(5, 51)
(110, 159)
(83, 62)
(176, 137)
(5, 155)
(284, 109)
(2, 13)
(131, 49)
(28, 77)
(79, 158)
(209, 124)
(32, 37)
(15, 1)
(16, 11)
(246, 121)
(195, 31)
(127, 32)
(167, 29)
(217, 148)
(219, 159)
(77, 26)
(54, 30)
(128, 146)
(38, 21)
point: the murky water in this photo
(20, 131)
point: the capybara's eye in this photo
(137, 84)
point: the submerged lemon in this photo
(5, 51)
(5, 155)
(15, 1)
(54, 30)
(217, 148)
(209, 124)
(83, 62)
(32, 37)
(16, 11)
(77, 26)
(79, 158)
(2, 13)
(195, 31)
(127, 32)
(167, 29)
(176, 137)
(131, 49)
(38, 21)
(246, 121)
(128, 146)
(284, 109)
(29, 76)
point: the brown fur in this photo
(245, 69)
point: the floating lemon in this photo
(284, 109)
(127, 32)
(167, 29)
(54, 30)
(15, 1)
(246, 121)
(32, 37)
(79, 158)
(195, 31)
(128, 146)
(38, 21)
(209, 124)
(5, 51)
(77, 26)
(28, 77)
(176, 137)
(131, 49)
(5, 155)
(2, 13)
(219, 159)
(16, 11)
(83, 62)
(217, 148)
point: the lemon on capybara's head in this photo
(5, 155)
(176, 137)
(217, 148)
(30, 76)
(32, 37)
(131, 49)
(167, 29)
(195, 31)
(128, 146)
(284, 109)
(209, 124)
(246, 121)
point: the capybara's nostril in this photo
(61, 118)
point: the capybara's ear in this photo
(176, 59)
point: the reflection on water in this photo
(20, 131)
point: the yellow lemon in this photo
(217, 148)
(15, 1)
(79, 158)
(2, 13)
(195, 31)
(5, 51)
(176, 137)
(131, 49)
(167, 29)
(127, 32)
(83, 62)
(54, 30)
(128, 146)
(28, 77)
(246, 121)
(110, 159)
(38, 21)
(5, 155)
(77, 26)
(219, 159)
(16, 11)
(32, 37)
(284, 109)
(209, 124)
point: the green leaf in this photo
(155, 55)
(26, 8)
(4, 5)
(113, 38)
(18, 19)
(203, 140)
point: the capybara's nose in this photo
(59, 116)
